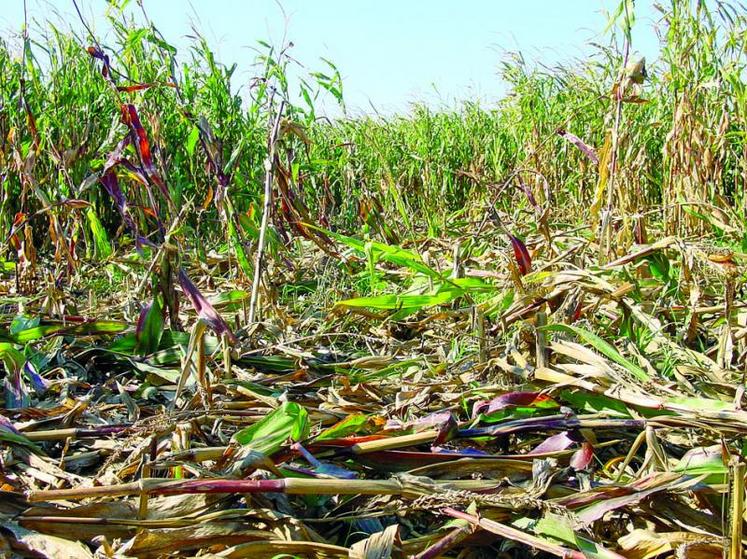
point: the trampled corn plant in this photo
(171, 120)
(486, 341)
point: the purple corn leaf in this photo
(15, 391)
(39, 383)
(548, 423)
(12, 360)
(323, 468)
(139, 136)
(587, 150)
(204, 309)
(555, 443)
(115, 157)
(140, 326)
(141, 241)
(462, 452)
(513, 399)
(7, 425)
(435, 419)
(310, 458)
(100, 432)
(138, 174)
(523, 260)
(105, 66)
(111, 184)
(582, 458)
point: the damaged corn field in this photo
(231, 328)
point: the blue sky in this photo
(390, 52)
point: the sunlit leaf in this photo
(286, 423)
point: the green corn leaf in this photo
(230, 299)
(558, 528)
(708, 462)
(394, 255)
(194, 136)
(588, 402)
(401, 301)
(11, 357)
(101, 239)
(21, 323)
(238, 248)
(289, 421)
(93, 327)
(9, 436)
(150, 329)
(350, 425)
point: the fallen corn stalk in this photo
(403, 486)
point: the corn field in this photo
(232, 327)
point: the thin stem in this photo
(267, 205)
